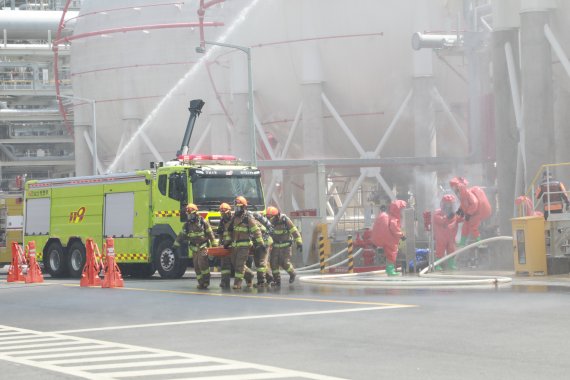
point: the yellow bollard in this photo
(322, 253)
(350, 258)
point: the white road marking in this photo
(74, 353)
(149, 363)
(181, 363)
(173, 371)
(231, 319)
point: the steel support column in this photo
(537, 92)
(506, 133)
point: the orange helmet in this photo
(241, 201)
(191, 207)
(271, 211)
(224, 207)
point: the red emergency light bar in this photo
(206, 157)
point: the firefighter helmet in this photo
(272, 211)
(191, 207)
(241, 201)
(224, 207)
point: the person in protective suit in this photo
(525, 208)
(474, 208)
(387, 233)
(225, 261)
(553, 195)
(241, 234)
(198, 234)
(445, 226)
(284, 234)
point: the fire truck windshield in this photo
(208, 191)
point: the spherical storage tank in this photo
(357, 55)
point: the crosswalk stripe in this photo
(76, 348)
(247, 376)
(79, 353)
(107, 358)
(20, 347)
(138, 364)
(173, 371)
(28, 339)
(97, 359)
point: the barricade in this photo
(90, 275)
(34, 272)
(15, 272)
(113, 278)
(322, 253)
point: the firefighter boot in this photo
(206, 281)
(248, 279)
(276, 280)
(292, 276)
(225, 282)
(451, 265)
(261, 280)
(237, 283)
(268, 278)
(390, 270)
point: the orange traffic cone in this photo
(90, 275)
(34, 271)
(113, 278)
(15, 270)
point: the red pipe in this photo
(201, 13)
(127, 29)
(132, 66)
(319, 38)
(124, 8)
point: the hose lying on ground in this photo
(425, 280)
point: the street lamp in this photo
(93, 107)
(247, 51)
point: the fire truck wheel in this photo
(182, 268)
(76, 259)
(166, 261)
(54, 260)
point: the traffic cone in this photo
(90, 275)
(113, 278)
(15, 270)
(34, 272)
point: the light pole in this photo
(93, 107)
(246, 50)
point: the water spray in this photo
(193, 70)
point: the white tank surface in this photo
(129, 59)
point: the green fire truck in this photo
(142, 210)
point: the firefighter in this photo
(474, 208)
(284, 233)
(387, 233)
(226, 263)
(445, 223)
(261, 253)
(197, 232)
(552, 193)
(241, 234)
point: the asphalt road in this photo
(166, 329)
